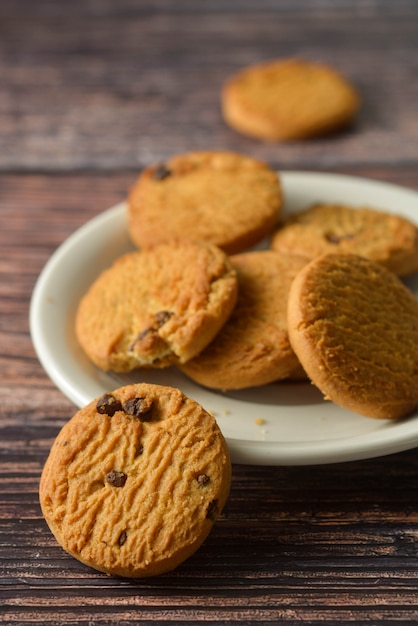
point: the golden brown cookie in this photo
(354, 326)
(134, 481)
(253, 347)
(288, 99)
(224, 198)
(157, 306)
(388, 239)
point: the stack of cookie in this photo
(326, 302)
(190, 286)
(197, 296)
(351, 321)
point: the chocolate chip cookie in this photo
(391, 240)
(157, 306)
(220, 197)
(135, 481)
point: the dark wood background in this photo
(91, 91)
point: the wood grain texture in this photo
(90, 92)
(105, 85)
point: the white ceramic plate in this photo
(279, 424)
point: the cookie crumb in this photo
(122, 538)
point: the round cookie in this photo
(157, 306)
(253, 347)
(288, 99)
(388, 239)
(354, 326)
(135, 480)
(223, 198)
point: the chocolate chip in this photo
(162, 317)
(140, 337)
(116, 479)
(333, 238)
(122, 538)
(161, 172)
(203, 479)
(143, 334)
(139, 450)
(108, 405)
(140, 408)
(212, 511)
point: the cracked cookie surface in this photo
(157, 306)
(135, 480)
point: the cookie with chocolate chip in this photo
(157, 306)
(253, 347)
(135, 481)
(354, 327)
(391, 240)
(220, 197)
(288, 99)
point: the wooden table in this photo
(90, 92)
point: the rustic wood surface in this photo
(90, 92)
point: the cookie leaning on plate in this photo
(354, 327)
(253, 347)
(220, 197)
(157, 306)
(288, 99)
(134, 481)
(391, 240)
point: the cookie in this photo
(223, 198)
(288, 99)
(354, 327)
(157, 306)
(253, 347)
(388, 239)
(135, 481)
